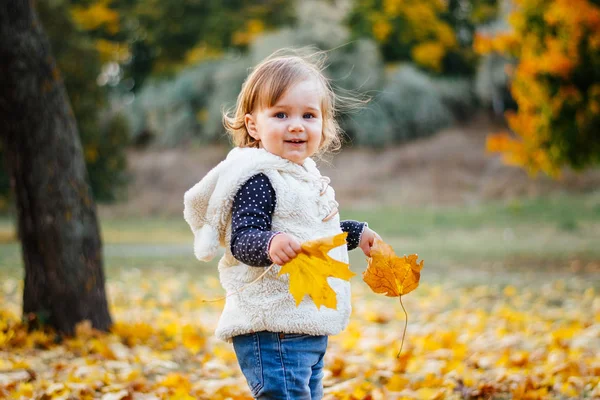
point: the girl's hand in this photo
(367, 239)
(283, 248)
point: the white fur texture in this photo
(206, 243)
(303, 199)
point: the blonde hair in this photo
(269, 80)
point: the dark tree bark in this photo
(57, 224)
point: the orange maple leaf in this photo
(311, 268)
(392, 275)
(389, 274)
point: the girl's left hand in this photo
(366, 240)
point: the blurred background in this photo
(479, 151)
(450, 81)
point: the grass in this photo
(525, 235)
(558, 211)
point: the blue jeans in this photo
(282, 365)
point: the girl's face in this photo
(292, 127)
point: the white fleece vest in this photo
(303, 200)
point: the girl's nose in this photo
(295, 126)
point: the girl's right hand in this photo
(283, 248)
(367, 239)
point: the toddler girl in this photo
(260, 203)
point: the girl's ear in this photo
(251, 126)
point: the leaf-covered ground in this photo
(528, 340)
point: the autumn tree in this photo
(103, 135)
(155, 37)
(105, 46)
(436, 35)
(57, 224)
(556, 85)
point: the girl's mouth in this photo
(296, 142)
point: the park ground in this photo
(507, 308)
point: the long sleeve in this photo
(252, 213)
(355, 230)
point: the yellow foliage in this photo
(549, 57)
(393, 8)
(456, 347)
(311, 268)
(96, 15)
(91, 154)
(201, 52)
(416, 23)
(510, 291)
(503, 43)
(175, 381)
(499, 142)
(483, 12)
(192, 339)
(136, 333)
(430, 394)
(382, 29)
(446, 35)
(112, 51)
(397, 383)
(253, 28)
(24, 390)
(430, 55)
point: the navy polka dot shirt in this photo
(251, 233)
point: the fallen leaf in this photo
(473, 341)
(311, 268)
(389, 274)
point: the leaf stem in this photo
(405, 326)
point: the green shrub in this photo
(410, 106)
(370, 126)
(227, 83)
(189, 106)
(457, 95)
(171, 111)
(405, 105)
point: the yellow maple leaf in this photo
(389, 274)
(311, 268)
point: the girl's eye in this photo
(308, 115)
(280, 115)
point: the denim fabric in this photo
(282, 366)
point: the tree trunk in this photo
(57, 224)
